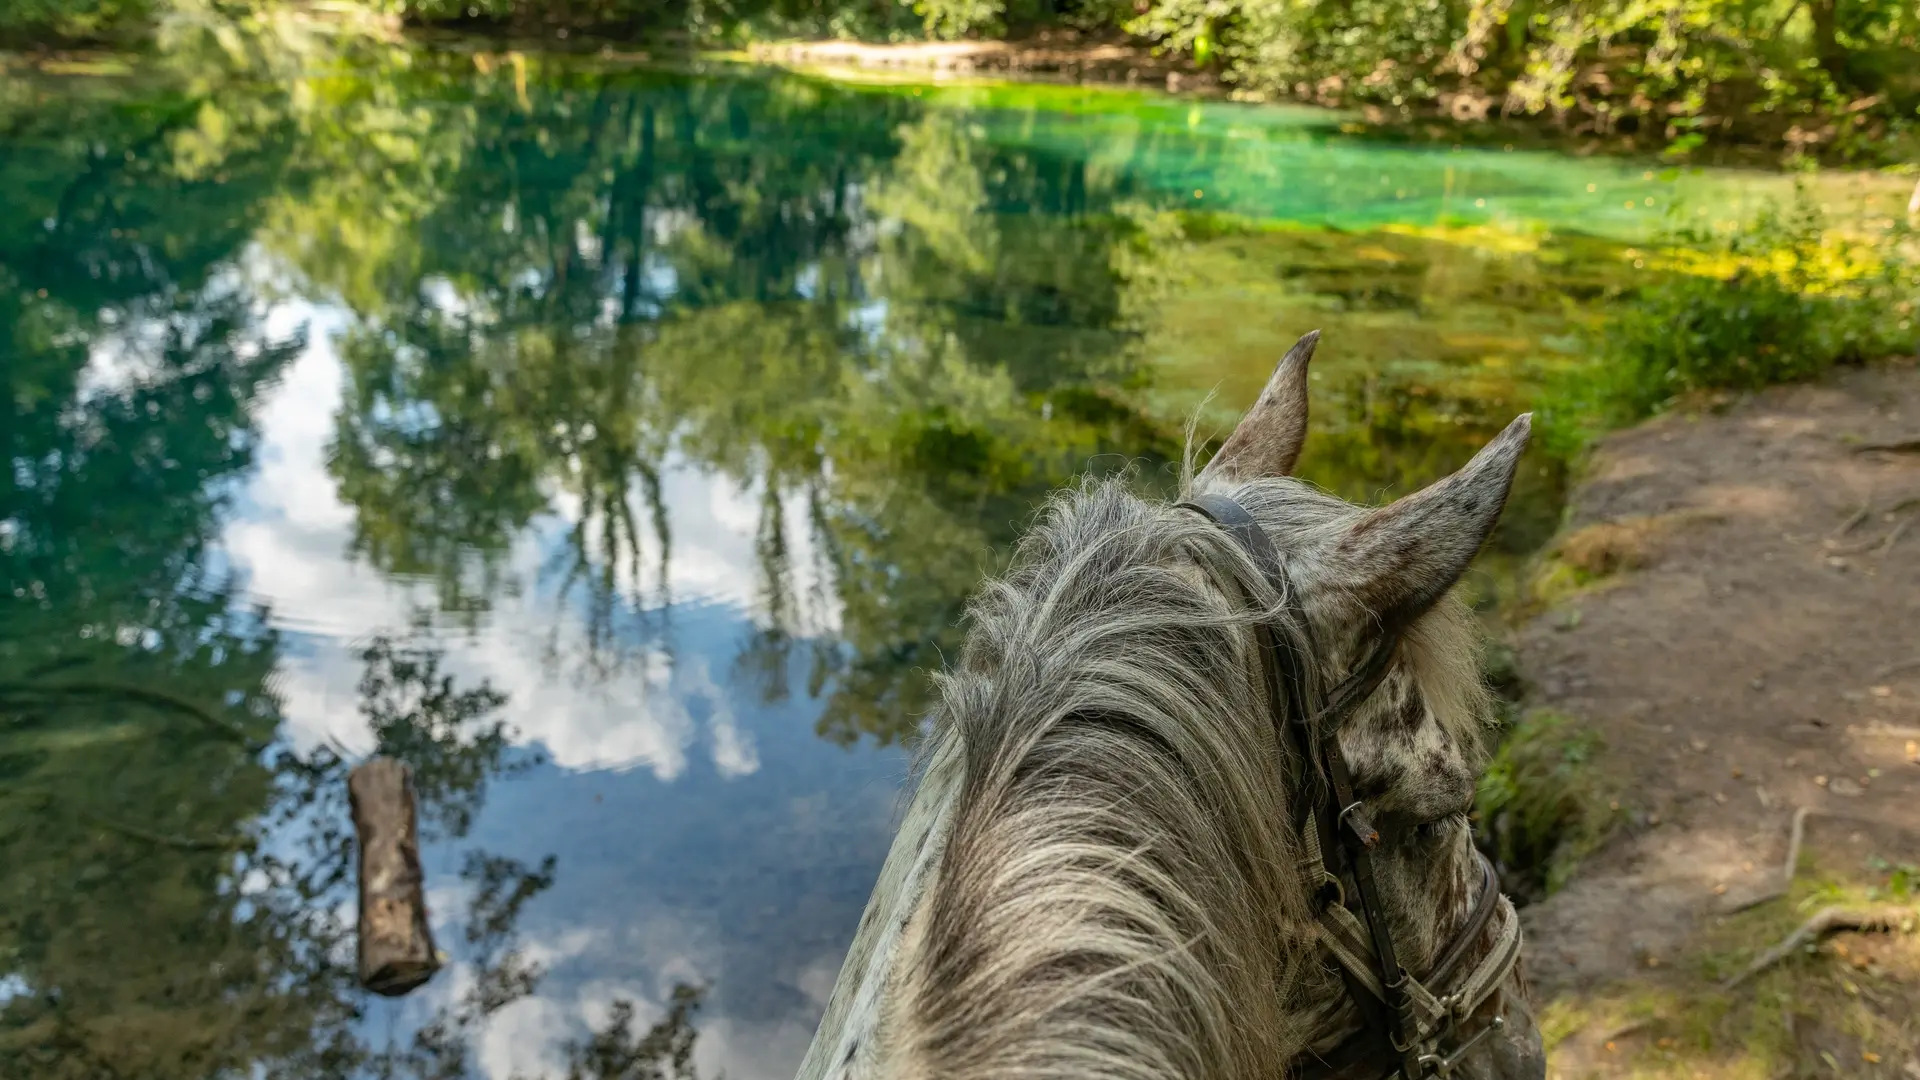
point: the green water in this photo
(618, 446)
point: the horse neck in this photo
(848, 1041)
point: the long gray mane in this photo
(1119, 895)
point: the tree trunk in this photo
(396, 943)
(1826, 39)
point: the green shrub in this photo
(77, 19)
(1387, 51)
(1837, 77)
(957, 18)
(1543, 804)
(1784, 299)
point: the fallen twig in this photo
(1859, 548)
(156, 698)
(1853, 522)
(1825, 921)
(1632, 1027)
(1908, 445)
(180, 843)
(1878, 547)
(1894, 669)
(1894, 536)
(1794, 838)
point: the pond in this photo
(618, 444)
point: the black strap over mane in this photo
(1307, 725)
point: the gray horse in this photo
(1097, 875)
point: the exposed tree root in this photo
(1826, 921)
(1896, 446)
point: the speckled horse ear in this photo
(1267, 440)
(1402, 558)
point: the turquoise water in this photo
(618, 446)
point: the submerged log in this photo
(396, 943)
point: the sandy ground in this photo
(1757, 650)
(1052, 55)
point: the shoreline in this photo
(1046, 57)
(1466, 116)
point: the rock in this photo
(1846, 787)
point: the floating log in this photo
(396, 943)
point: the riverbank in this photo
(1743, 645)
(1773, 82)
(1063, 55)
(1464, 114)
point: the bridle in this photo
(1412, 1028)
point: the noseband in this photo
(1413, 1028)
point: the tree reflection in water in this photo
(176, 876)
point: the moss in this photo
(1561, 1019)
(1544, 803)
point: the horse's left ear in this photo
(1267, 440)
(1402, 558)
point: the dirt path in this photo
(1753, 647)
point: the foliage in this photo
(82, 19)
(1827, 71)
(1837, 77)
(1542, 804)
(1372, 50)
(1783, 299)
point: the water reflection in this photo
(772, 283)
(618, 446)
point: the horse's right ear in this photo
(1267, 440)
(1400, 559)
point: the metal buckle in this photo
(1442, 1065)
(1363, 829)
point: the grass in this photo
(1846, 1008)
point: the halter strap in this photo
(1335, 827)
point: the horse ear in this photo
(1267, 440)
(1403, 557)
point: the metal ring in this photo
(1355, 805)
(1327, 878)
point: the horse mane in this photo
(1119, 898)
